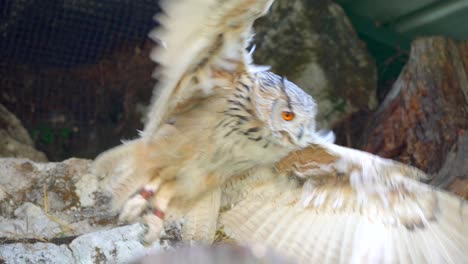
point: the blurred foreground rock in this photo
(314, 44)
(225, 254)
(15, 140)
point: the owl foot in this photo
(154, 223)
(150, 196)
(136, 205)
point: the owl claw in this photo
(154, 225)
(136, 205)
(141, 235)
(144, 227)
(151, 196)
(133, 209)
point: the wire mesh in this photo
(72, 70)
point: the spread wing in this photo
(199, 217)
(349, 207)
(201, 44)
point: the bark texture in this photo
(423, 120)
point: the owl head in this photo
(286, 110)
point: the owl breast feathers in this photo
(223, 133)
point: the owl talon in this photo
(154, 227)
(136, 205)
(132, 209)
(144, 229)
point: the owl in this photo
(230, 147)
(331, 204)
(215, 114)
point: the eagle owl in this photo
(225, 134)
(215, 115)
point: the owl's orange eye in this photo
(288, 116)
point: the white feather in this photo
(192, 32)
(319, 235)
(199, 218)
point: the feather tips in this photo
(200, 218)
(116, 167)
(197, 39)
(269, 213)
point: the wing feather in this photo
(202, 44)
(356, 232)
(200, 217)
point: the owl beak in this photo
(286, 138)
(303, 137)
(300, 134)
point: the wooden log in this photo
(424, 117)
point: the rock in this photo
(45, 253)
(314, 44)
(118, 245)
(29, 222)
(58, 213)
(86, 187)
(42, 200)
(15, 140)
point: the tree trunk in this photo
(422, 121)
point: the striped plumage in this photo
(254, 110)
(329, 204)
(217, 116)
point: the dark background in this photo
(77, 73)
